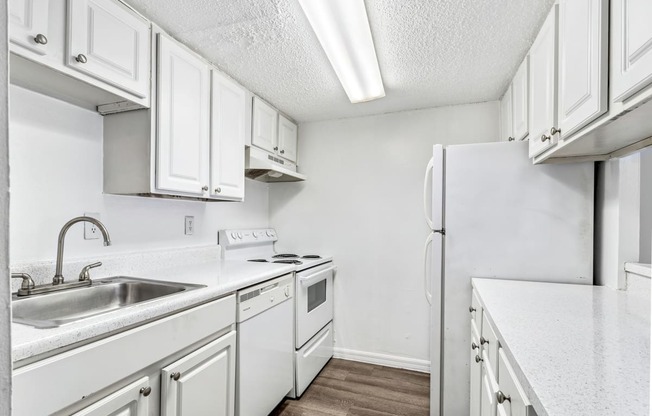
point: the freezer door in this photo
(507, 218)
(437, 197)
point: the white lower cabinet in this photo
(202, 382)
(511, 399)
(488, 388)
(131, 400)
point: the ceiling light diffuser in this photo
(342, 28)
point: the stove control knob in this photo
(234, 235)
(269, 234)
(271, 299)
(239, 235)
(255, 234)
(287, 291)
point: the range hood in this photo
(266, 167)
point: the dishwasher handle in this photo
(312, 279)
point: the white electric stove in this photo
(313, 297)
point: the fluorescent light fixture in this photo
(342, 28)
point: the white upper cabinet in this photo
(520, 103)
(182, 156)
(631, 47)
(108, 41)
(506, 116)
(28, 24)
(287, 139)
(583, 62)
(543, 86)
(265, 126)
(201, 383)
(228, 108)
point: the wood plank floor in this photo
(349, 388)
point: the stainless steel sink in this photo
(105, 295)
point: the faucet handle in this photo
(27, 284)
(85, 273)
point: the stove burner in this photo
(285, 256)
(311, 256)
(258, 260)
(297, 262)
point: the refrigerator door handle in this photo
(425, 193)
(426, 271)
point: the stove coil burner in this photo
(296, 262)
(311, 256)
(285, 256)
(258, 261)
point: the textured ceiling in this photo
(431, 52)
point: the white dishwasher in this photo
(265, 328)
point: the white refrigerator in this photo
(492, 213)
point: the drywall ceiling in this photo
(431, 52)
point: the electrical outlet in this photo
(190, 225)
(90, 230)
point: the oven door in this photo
(314, 301)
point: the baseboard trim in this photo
(383, 359)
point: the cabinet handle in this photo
(554, 130)
(500, 397)
(478, 359)
(544, 137)
(474, 346)
(204, 188)
(41, 39)
(510, 139)
(483, 341)
(275, 148)
(145, 391)
(81, 58)
(175, 376)
(218, 190)
(471, 309)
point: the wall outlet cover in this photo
(190, 225)
(90, 230)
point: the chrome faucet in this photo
(58, 276)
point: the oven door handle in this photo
(310, 280)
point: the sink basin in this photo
(105, 295)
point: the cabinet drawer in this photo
(515, 403)
(489, 342)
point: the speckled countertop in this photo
(197, 266)
(576, 349)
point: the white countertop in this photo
(220, 277)
(577, 349)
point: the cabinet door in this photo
(228, 106)
(506, 116)
(265, 120)
(28, 24)
(520, 102)
(631, 47)
(287, 139)
(514, 401)
(583, 60)
(132, 400)
(183, 100)
(489, 388)
(475, 369)
(201, 383)
(109, 42)
(543, 86)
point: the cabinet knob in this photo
(510, 139)
(471, 309)
(145, 391)
(175, 376)
(483, 341)
(478, 359)
(204, 188)
(81, 58)
(282, 151)
(474, 346)
(554, 130)
(275, 148)
(218, 190)
(544, 137)
(41, 39)
(501, 398)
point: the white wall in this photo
(363, 203)
(56, 174)
(646, 206)
(5, 309)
